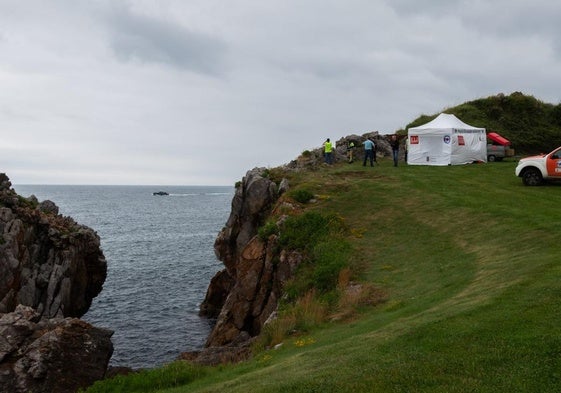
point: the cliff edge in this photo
(245, 295)
(50, 270)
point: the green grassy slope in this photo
(470, 260)
(531, 125)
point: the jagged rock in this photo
(50, 268)
(48, 207)
(251, 204)
(246, 293)
(50, 355)
(220, 286)
(47, 261)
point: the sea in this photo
(160, 257)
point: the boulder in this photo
(50, 355)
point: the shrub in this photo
(276, 331)
(304, 231)
(302, 195)
(306, 313)
(270, 228)
(326, 252)
(329, 259)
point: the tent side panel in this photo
(468, 146)
(428, 150)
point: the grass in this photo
(468, 259)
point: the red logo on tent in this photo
(461, 141)
(414, 139)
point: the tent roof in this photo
(446, 121)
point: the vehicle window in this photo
(556, 155)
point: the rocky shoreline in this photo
(50, 270)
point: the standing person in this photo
(394, 143)
(328, 151)
(369, 147)
(350, 148)
(406, 147)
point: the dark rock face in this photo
(47, 261)
(50, 270)
(244, 295)
(50, 355)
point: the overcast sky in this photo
(198, 92)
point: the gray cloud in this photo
(135, 37)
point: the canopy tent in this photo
(446, 140)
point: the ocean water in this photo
(160, 256)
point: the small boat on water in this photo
(160, 193)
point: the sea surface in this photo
(160, 257)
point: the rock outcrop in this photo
(245, 294)
(50, 355)
(47, 261)
(312, 159)
(50, 270)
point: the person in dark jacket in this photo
(394, 143)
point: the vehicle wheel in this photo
(532, 177)
(491, 158)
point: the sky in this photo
(198, 92)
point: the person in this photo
(328, 151)
(394, 143)
(406, 148)
(350, 148)
(368, 152)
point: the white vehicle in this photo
(534, 170)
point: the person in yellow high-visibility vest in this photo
(328, 151)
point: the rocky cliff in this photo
(47, 261)
(50, 270)
(244, 295)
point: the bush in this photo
(302, 196)
(326, 252)
(306, 313)
(329, 259)
(270, 228)
(304, 231)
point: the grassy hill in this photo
(468, 260)
(531, 125)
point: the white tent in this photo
(446, 140)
